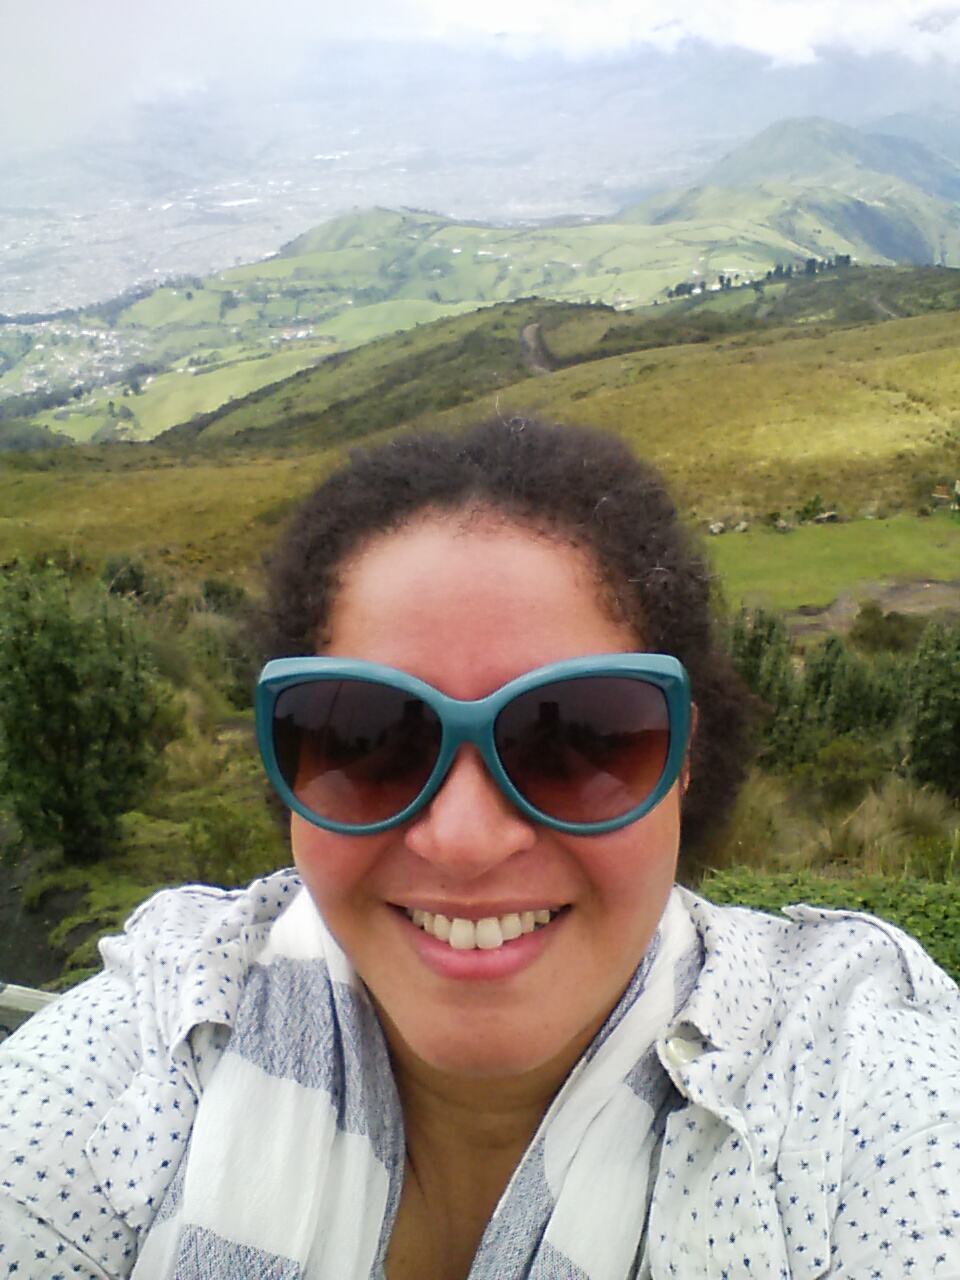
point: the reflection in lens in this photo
(354, 751)
(585, 750)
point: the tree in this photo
(83, 713)
(933, 710)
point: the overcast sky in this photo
(63, 63)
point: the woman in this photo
(488, 1036)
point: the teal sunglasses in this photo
(584, 746)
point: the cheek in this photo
(332, 866)
(638, 865)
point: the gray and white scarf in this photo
(296, 1159)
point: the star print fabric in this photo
(810, 1125)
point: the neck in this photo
(484, 1115)
(480, 1113)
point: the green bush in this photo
(222, 595)
(841, 693)
(833, 694)
(220, 652)
(842, 771)
(83, 715)
(873, 631)
(928, 911)
(933, 710)
(125, 576)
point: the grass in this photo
(760, 423)
(753, 421)
(814, 564)
(369, 274)
(192, 519)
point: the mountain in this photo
(801, 190)
(815, 187)
(518, 349)
(936, 128)
(822, 153)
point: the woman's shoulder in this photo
(186, 951)
(107, 1077)
(193, 915)
(830, 949)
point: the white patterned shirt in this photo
(817, 1063)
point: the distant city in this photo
(196, 184)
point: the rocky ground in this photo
(916, 598)
(26, 956)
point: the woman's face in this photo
(467, 608)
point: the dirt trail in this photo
(920, 597)
(533, 353)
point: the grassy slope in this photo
(185, 519)
(377, 272)
(760, 418)
(815, 563)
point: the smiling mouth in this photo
(485, 935)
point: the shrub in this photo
(221, 652)
(873, 631)
(835, 694)
(763, 653)
(842, 770)
(83, 715)
(841, 693)
(933, 710)
(810, 509)
(124, 576)
(222, 595)
(898, 829)
(929, 912)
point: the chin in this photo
(492, 1055)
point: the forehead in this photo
(471, 603)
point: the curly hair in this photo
(581, 486)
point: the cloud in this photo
(787, 31)
(66, 65)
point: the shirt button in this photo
(679, 1050)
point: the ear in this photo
(684, 778)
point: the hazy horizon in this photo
(140, 144)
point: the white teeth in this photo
(489, 934)
(486, 934)
(511, 927)
(463, 934)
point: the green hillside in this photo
(820, 153)
(746, 230)
(132, 368)
(756, 404)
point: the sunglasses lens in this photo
(585, 750)
(353, 751)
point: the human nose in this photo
(469, 826)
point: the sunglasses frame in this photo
(473, 722)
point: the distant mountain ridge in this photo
(802, 193)
(825, 188)
(817, 152)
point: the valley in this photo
(800, 197)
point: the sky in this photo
(66, 63)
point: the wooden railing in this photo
(17, 1004)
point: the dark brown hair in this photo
(582, 486)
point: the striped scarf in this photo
(295, 1163)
